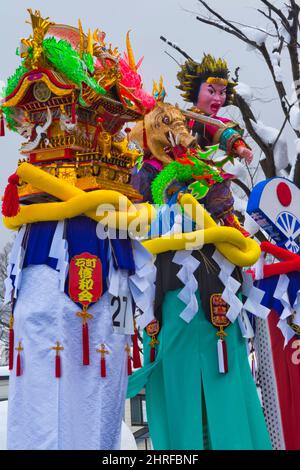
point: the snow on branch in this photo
(259, 36)
(245, 92)
(270, 136)
(295, 117)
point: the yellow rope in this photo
(239, 250)
(77, 202)
(230, 242)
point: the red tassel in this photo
(10, 204)
(2, 126)
(152, 354)
(85, 345)
(57, 348)
(57, 366)
(18, 371)
(11, 343)
(136, 352)
(73, 116)
(129, 366)
(11, 348)
(97, 132)
(103, 367)
(222, 356)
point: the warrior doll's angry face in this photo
(211, 98)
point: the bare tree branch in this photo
(296, 178)
(221, 18)
(293, 46)
(279, 85)
(272, 58)
(268, 165)
(278, 13)
(283, 125)
(166, 52)
(269, 17)
(255, 28)
(227, 30)
(181, 51)
(243, 186)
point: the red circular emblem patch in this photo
(284, 194)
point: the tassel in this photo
(129, 366)
(102, 351)
(58, 348)
(103, 367)
(85, 344)
(97, 132)
(2, 125)
(222, 356)
(136, 352)
(57, 366)
(152, 354)
(19, 371)
(152, 330)
(73, 115)
(11, 343)
(10, 204)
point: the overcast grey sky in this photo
(147, 19)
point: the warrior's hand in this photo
(245, 153)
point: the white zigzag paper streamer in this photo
(142, 283)
(254, 297)
(59, 251)
(14, 267)
(282, 295)
(188, 264)
(231, 286)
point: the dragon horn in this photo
(154, 89)
(96, 35)
(130, 53)
(81, 35)
(90, 43)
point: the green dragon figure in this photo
(190, 166)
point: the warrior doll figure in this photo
(208, 87)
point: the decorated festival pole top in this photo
(69, 98)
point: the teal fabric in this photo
(185, 378)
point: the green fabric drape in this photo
(185, 375)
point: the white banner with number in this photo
(120, 302)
